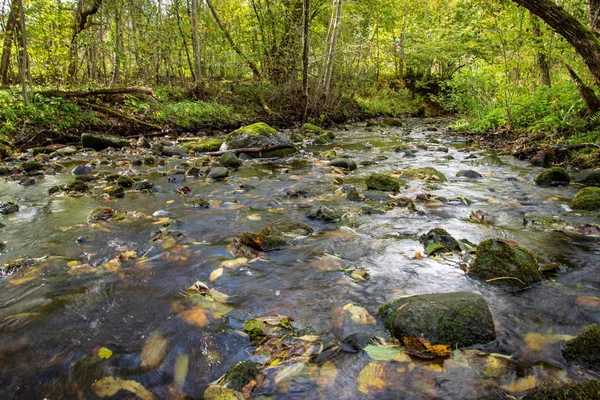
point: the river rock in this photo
(8, 208)
(77, 186)
(115, 191)
(217, 173)
(427, 173)
(32, 166)
(457, 319)
(259, 135)
(588, 177)
(99, 214)
(555, 176)
(573, 391)
(500, 258)
(322, 213)
(268, 239)
(101, 142)
(587, 199)
(585, 348)
(491, 160)
(393, 122)
(125, 181)
(230, 160)
(469, 174)
(82, 170)
(383, 182)
(438, 241)
(203, 145)
(346, 163)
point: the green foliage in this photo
(189, 114)
(389, 103)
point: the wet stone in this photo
(345, 163)
(588, 177)
(322, 213)
(230, 160)
(555, 176)
(8, 208)
(585, 348)
(115, 191)
(438, 241)
(469, 174)
(82, 170)
(382, 182)
(218, 173)
(587, 199)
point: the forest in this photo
(300, 199)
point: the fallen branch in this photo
(506, 277)
(110, 111)
(98, 92)
(250, 150)
(529, 152)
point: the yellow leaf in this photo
(419, 256)
(522, 384)
(110, 385)
(371, 378)
(216, 274)
(588, 301)
(495, 367)
(72, 263)
(327, 375)
(105, 353)
(254, 217)
(170, 201)
(218, 296)
(538, 341)
(154, 350)
(195, 316)
(233, 263)
(420, 345)
(181, 369)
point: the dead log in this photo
(97, 92)
(522, 154)
(112, 112)
(250, 150)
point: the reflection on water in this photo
(119, 285)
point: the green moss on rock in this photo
(438, 241)
(204, 145)
(42, 150)
(32, 166)
(585, 348)
(511, 265)
(393, 122)
(382, 182)
(587, 390)
(424, 173)
(99, 214)
(311, 130)
(77, 186)
(458, 319)
(268, 239)
(587, 199)
(101, 142)
(258, 129)
(555, 176)
(240, 375)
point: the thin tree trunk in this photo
(11, 24)
(196, 44)
(587, 93)
(541, 58)
(184, 41)
(230, 40)
(25, 57)
(118, 45)
(306, 44)
(331, 56)
(594, 15)
(81, 19)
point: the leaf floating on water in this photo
(218, 296)
(538, 341)
(181, 370)
(588, 301)
(216, 274)
(254, 217)
(72, 263)
(125, 256)
(196, 317)
(418, 256)
(421, 348)
(289, 371)
(154, 350)
(382, 353)
(110, 385)
(372, 378)
(105, 353)
(199, 287)
(233, 263)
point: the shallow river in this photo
(59, 317)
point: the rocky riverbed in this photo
(379, 260)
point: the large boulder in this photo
(259, 135)
(587, 199)
(504, 263)
(458, 319)
(101, 142)
(555, 176)
(585, 348)
(588, 177)
(383, 182)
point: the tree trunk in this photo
(196, 44)
(587, 93)
(81, 19)
(541, 58)
(25, 57)
(118, 45)
(594, 15)
(331, 56)
(230, 40)
(582, 38)
(305, 45)
(11, 24)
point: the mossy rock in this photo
(322, 213)
(296, 138)
(393, 122)
(322, 139)
(424, 173)
(115, 191)
(588, 177)
(382, 182)
(260, 135)
(345, 163)
(372, 123)
(469, 174)
(328, 155)
(438, 241)
(240, 375)
(5, 171)
(457, 319)
(311, 130)
(585, 348)
(216, 392)
(491, 160)
(587, 390)
(512, 266)
(230, 160)
(32, 166)
(77, 186)
(204, 145)
(197, 202)
(555, 176)
(8, 208)
(149, 160)
(101, 142)
(268, 239)
(588, 199)
(99, 214)
(42, 150)
(125, 181)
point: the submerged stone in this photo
(469, 174)
(218, 173)
(115, 191)
(346, 163)
(587, 199)
(555, 176)
(505, 264)
(8, 208)
(268, 239)
(491, 160)
(322, 213)
(230, 160)
(101, 142)
(99, 214)
(424, 173)
(438, 241)
(240, 375)
(458, 319)
(585, 348)
(383, 182)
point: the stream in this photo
(110, 299)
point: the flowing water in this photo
(81, 297)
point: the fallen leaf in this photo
(109, 386)
(154, 350)
(538, 341)
(195, 316)
(254, 217)
(421, 348)
(359, 315)
(382, 353)
(181, 370)
(233, 263)
(588, 301)
(522, 384)
(327, 375)
(216, 274)
(105, 353)
(372, 378)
